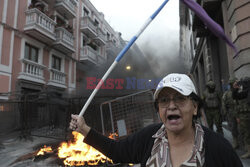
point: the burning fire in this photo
(44, 150)
(78, 153)
(113, 135)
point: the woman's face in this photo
(176, 111)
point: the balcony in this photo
(64, 41)
(88, 55)
(101, 60)
(40, 26)
(111, 49)
(66, 8)
(57, 79)
(101, 37)
(110, 45)
(32, 71)
(88, 27)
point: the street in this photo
(228, 136)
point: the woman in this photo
(177, 141)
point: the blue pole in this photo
(120, 55)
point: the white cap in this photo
(179, 82)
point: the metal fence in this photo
(30, 117)
(128, 114)
(41, 114)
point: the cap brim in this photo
(182, 91)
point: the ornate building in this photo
(45, 43)
(213, 59)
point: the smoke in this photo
(153, 56)
(140, 68)
(162, 52)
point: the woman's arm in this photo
(131, 149)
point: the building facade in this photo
(213, 59)
(186, 36)
(44, 44)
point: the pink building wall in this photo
(79, 32)
(6, 47)
(11, 13)
(1, 9)
(21, 17)
(5, 80)
(16, 64)
(73, 72)
(66, 70)
(46, 63)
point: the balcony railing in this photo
(110, 44)
(57, 78)
(31, 71)
(88, 54)
(101, 60)
(36, 21)
(101, 37)
(88, 27)
(66, 8)
(64, 40)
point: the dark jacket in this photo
(136, 148)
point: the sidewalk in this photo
(12, 148)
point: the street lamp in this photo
(128, 67)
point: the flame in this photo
(113, 135)
(44, 150)
(78, 153)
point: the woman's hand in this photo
(78, 124)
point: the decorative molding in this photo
(25, 76)
(1, 41)
(4, 14)
(4, 97)
(11, 57)
(5, 69)
(16, 13)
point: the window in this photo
(85, 12)
(31, 53)
(56, 63)
(108, 36)
(96, 23)
(60, 22)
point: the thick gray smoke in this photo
(162, 53)
(155, 56)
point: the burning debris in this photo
(113, 135)
(44, 150)
(78, 153)
(71, 153)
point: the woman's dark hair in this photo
(199, 101)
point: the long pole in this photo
(120, 55)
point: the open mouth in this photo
(173, 117)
